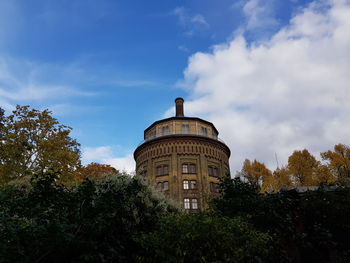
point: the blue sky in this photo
(109, 68)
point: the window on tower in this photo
(159, 186)
(152, 134)
(162, 170)
(187, 203)
(191, 203)
(204, 131)
(188, 168)
(186, 184)
(165, 130)
(163, 186)
(193, 184)
(213, 171)
(189, 184)
(194, 203)
(185, 128)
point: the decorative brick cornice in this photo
(188, 141)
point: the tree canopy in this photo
(338, 161)
(97, 221)
(96, 171)
(255, 172)
(303, 169)
(312, 226)
(92, 213)
(33, 142)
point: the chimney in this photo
(179, 103)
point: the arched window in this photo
(163, 186)
(193, 184)
(187, 203)
(194, 203)
(190, 203)
(186, 185)
(213, 171)
(162, 170)
(188, 168)
(189, 184)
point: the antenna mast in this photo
(276, 160)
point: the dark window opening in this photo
(162, 170)
(213, 171)
(163, 186)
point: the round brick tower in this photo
(184, 159)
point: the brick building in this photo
(184, 158)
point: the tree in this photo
(204, 238)
(233, 191)
(93, 222)
(302, 166)
(280, 179)
(323, 175)
(255, 172)
(312, 226)
(339, 161)
(283, 179)
(96, 171)
(33, 142)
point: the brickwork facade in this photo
(184, 159)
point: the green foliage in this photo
(94, 222)
(238, 198)
(311, 226)
(204, 238)
(118, 218)
(33, 142)
(324, 216)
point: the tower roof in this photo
(181, 118)
(179, 115)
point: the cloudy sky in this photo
(273, 76)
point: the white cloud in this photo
(25, 82)
(192, 23)
(199, 19)
(259, 14)
(183, 49)
(287, 93)
(104, 154)
(125, 163)
(90, 154)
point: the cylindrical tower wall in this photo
(185, 168)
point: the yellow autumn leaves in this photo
(303, 169)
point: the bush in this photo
(204, 238)
(94, 222)
(311, 227)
